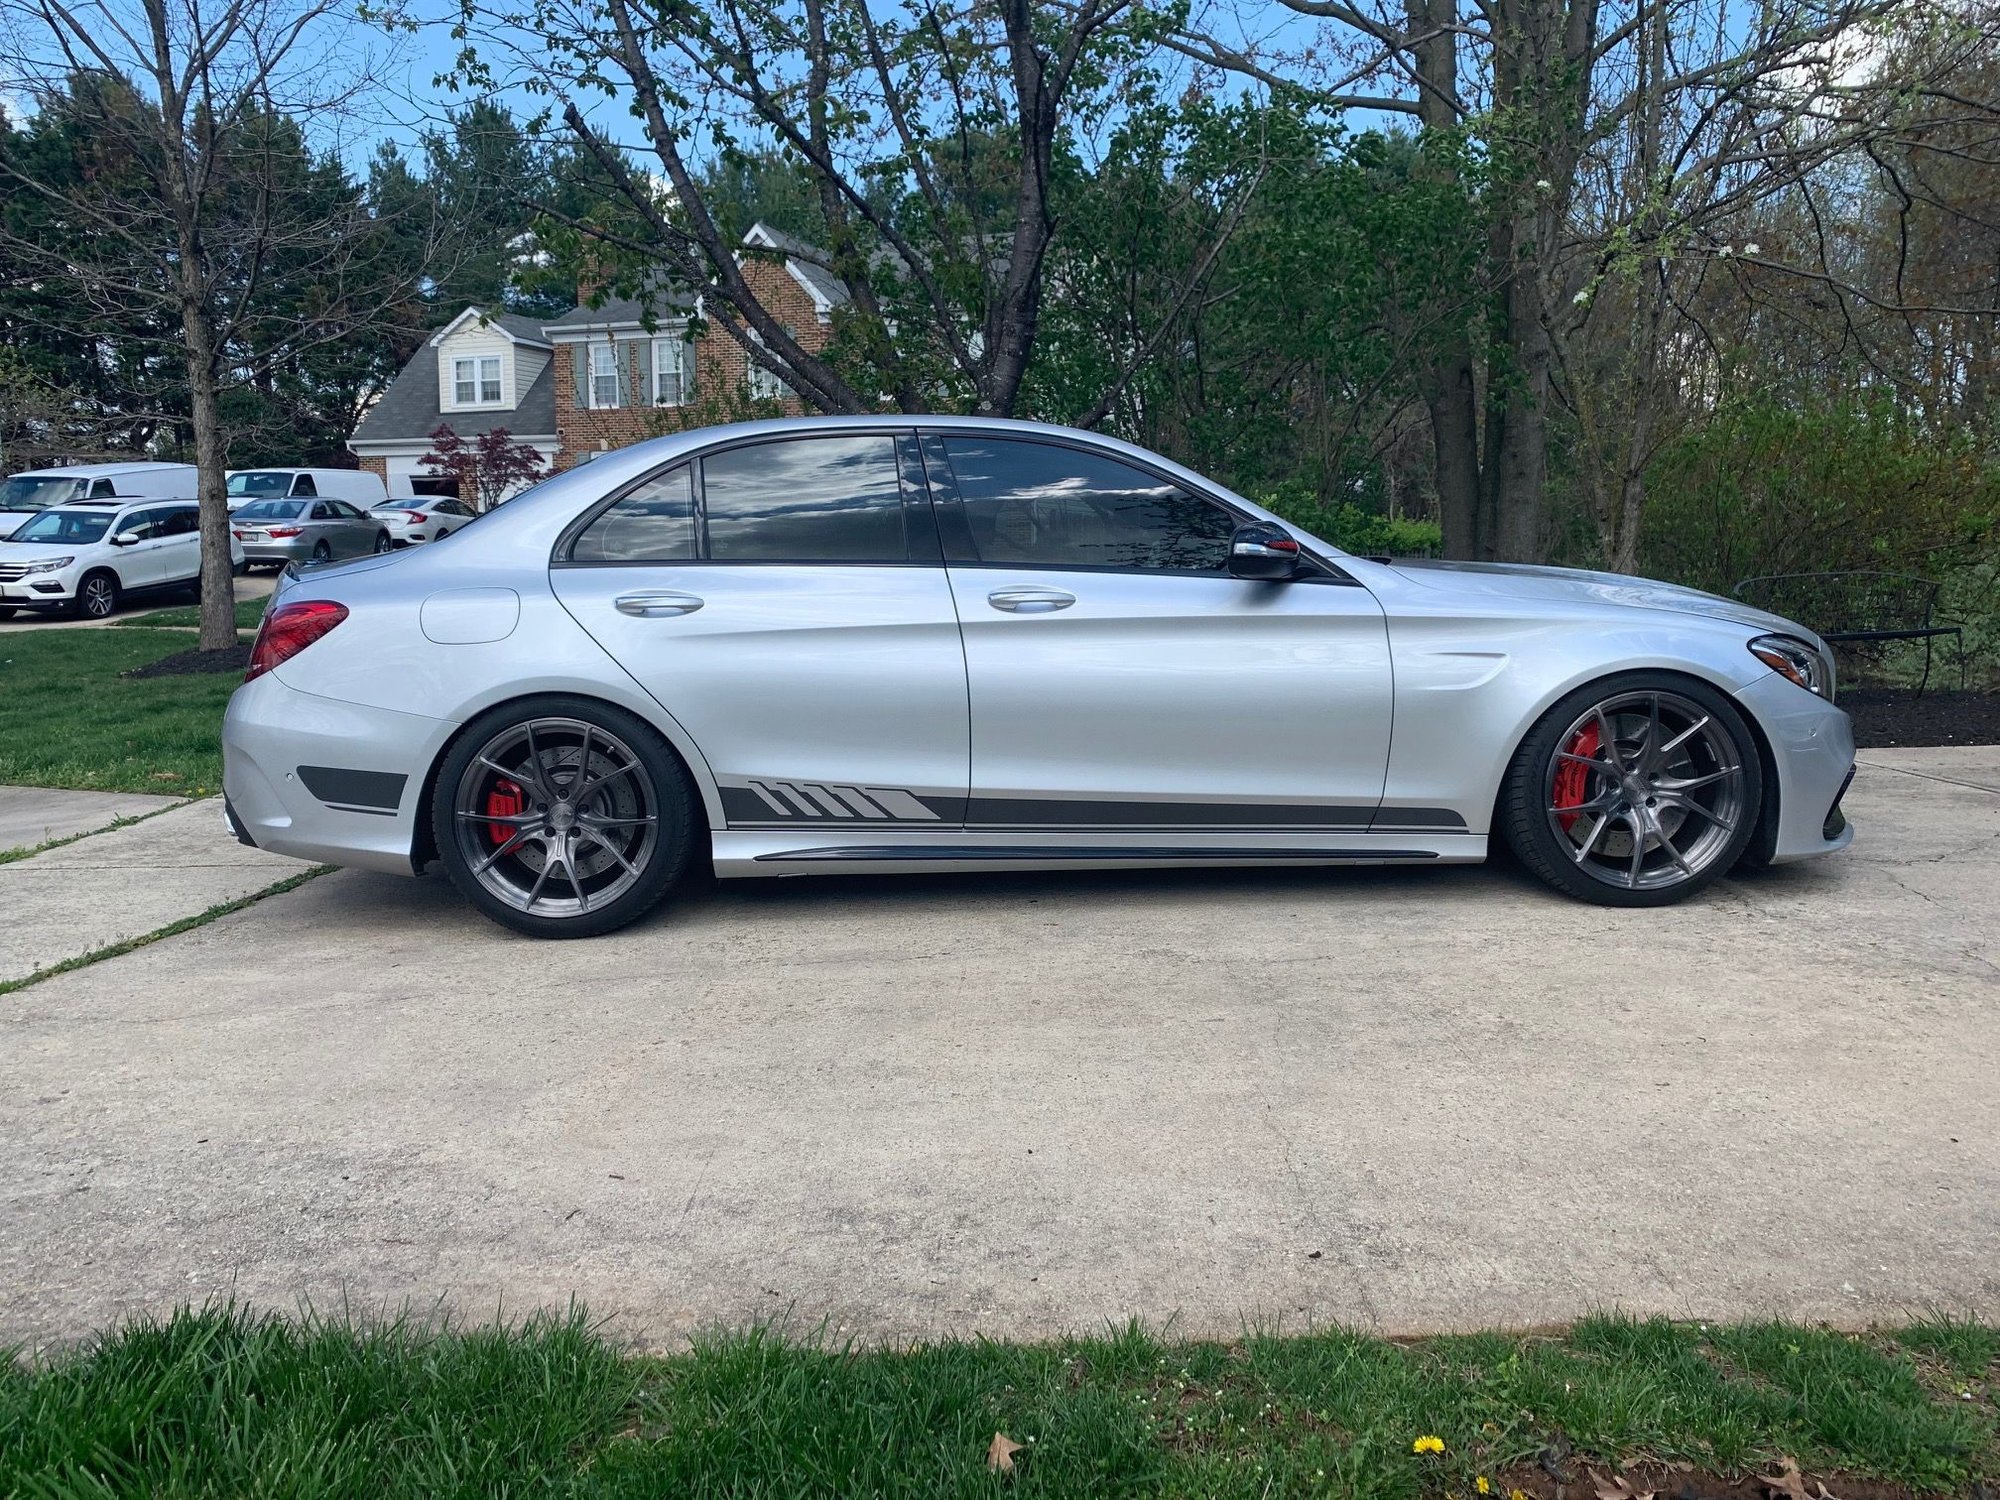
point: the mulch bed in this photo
(188, 663)
(1886, 717)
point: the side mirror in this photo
(126, 539)
(1261, 551)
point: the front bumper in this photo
(321, 780)
(39, 591)
(1812, 743)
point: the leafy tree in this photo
(489, 469)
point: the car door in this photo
(785, 600)
(142, 564)
(1122, 682)
(180, 545)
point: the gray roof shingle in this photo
(408, 409)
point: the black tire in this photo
(1534, 828)
(8, 611)
(382, 543)
(665, 784)
(322, 551)
(96, 596)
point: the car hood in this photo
(27, 552)
(1531, 581)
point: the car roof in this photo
(95, 471)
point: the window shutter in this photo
(687, 367)
(626, 358)
(581, 354)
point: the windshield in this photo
(270, 510)
(79, 526)
(261, 482)
(39, 491)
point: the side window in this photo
(144, 524)
(323, 512)
(103, 489)
(831, 499)
(1040, 505)
(654, 523)
(182, 522)
(303, 485)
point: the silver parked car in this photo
(306, 531)
(935, 643)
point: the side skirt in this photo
(762, 853)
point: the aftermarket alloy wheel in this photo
(563, 817)
(1636, 791)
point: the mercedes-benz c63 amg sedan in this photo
(937, 644)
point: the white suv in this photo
(84, 558)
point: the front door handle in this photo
(657, 604)
(1027, 600)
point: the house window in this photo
(764, 386)
(673, 372)
(604, 380)
(476, 381)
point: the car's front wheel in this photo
(1636, 791)
(97, 596)
(563, 817)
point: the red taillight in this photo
(239, 535)
(282, 532)
(289, 629)
(417, 517)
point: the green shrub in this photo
(1351, 528)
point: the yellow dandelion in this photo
(1482, 1486)
(1428, 1444)
(1517, 1494)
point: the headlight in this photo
(1796, 660)
(48, 565)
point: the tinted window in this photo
(258, 483)
(1041, 505)
(808, 500)
(181, 523)
(144, 524)
(323, 512)
(303, 485)
(269, 510)
(655, 523)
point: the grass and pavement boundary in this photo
(222, 1400)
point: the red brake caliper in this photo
(505, 801)
(1573, 778)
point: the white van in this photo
(357, 487)
(29, 493)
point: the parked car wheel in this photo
(97, 596)
(322, 551)
(562, 817)
(7, 611)
(382, 543)
(1636, 791)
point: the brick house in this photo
(595, 378)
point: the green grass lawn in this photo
(222, 1403)
(249, 612)
(67, 719)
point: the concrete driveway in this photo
(1019, 1105)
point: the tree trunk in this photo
(218, 577)
(1452, 400)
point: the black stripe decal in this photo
(1000, 852)
(1065, 812)
(370, 791)
(753, 806)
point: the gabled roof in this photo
(662, 300)
(516, 329)
(408, 409)
(806, 262)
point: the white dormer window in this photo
(476, 381)
(673, 372)
(764, 386)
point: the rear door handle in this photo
(657, 604)
(1028, 600)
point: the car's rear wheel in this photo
(322, 551)
(1636, 791)
(563, 817)
(97, 596)
(382, 542)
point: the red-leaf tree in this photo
(488, 469)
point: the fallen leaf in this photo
(1616, 1488)
(1788, 1483)
(1000, 1453)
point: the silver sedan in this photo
(306, 531)
(850, 645)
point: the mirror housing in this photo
(126, 539)
(1263, 552)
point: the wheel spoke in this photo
(1688, 804)
(1590, 841)
(1692, 783)
(569, 869)
(1609, 737)
(1595, 762)
(520, 836)
(541, 879)
(1684, 736)
(1599, 804)
(1660, 832)
(611, 849)
(1638, 847)
(1652, 752)
(503, 820)
(596, 820)
(582, 766)
(588, 788)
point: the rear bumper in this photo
(325, 781)
(298, 549)
(1812, 743)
